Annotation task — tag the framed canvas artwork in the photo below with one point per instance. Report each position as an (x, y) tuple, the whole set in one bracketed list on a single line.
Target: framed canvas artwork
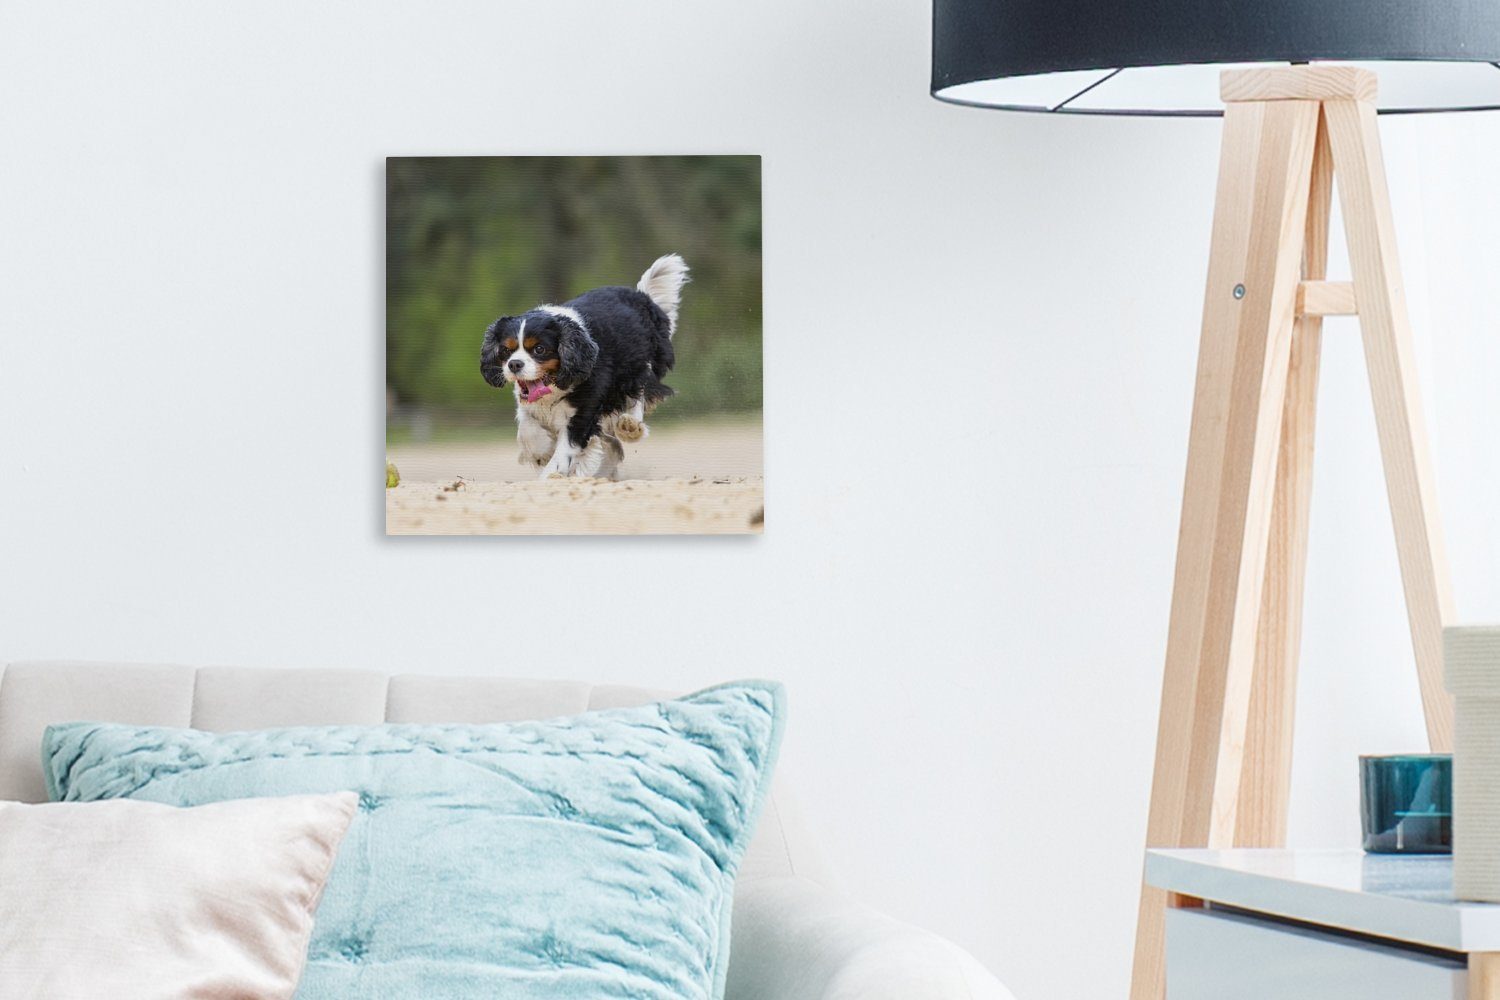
[(573, 345)]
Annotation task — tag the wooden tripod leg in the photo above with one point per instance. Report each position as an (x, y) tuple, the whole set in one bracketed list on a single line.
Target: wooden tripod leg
[(1259, 221), (1484, 976), (1398, 407), (1265, 781)]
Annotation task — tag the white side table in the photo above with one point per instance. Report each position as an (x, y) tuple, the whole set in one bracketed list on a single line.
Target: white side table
[(1322, 925)]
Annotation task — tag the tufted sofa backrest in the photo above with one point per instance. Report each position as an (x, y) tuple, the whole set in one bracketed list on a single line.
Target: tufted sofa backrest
[(223, 699)]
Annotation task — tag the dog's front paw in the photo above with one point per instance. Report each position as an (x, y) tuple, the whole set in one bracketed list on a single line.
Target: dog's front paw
[(561, 465), (627, 428)]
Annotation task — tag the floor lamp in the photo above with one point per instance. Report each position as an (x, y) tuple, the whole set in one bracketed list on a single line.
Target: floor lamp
[(1297, 87)]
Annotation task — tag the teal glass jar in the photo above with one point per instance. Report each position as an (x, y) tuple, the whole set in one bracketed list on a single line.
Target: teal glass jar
[(1406, 803)]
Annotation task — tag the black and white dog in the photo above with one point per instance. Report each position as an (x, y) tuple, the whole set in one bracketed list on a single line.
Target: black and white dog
[(587, 372)]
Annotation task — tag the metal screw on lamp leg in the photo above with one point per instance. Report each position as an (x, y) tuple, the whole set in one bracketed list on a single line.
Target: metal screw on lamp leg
[(1239, 291)]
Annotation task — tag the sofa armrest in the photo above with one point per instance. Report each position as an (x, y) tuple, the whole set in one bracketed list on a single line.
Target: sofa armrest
[(794, 940)]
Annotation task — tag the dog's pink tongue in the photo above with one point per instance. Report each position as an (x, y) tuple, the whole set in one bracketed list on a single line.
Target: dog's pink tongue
[(537, 391)]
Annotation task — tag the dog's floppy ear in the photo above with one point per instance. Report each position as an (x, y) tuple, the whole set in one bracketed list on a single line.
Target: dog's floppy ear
[(489, 353), (577, 352)]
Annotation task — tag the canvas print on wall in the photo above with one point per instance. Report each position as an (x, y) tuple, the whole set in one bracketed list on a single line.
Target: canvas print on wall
[(573, 345)]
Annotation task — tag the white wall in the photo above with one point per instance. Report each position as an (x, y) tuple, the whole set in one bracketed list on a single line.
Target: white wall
[(980, 344)]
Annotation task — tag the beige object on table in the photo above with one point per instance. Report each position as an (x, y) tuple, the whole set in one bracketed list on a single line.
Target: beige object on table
[(1471, 655)]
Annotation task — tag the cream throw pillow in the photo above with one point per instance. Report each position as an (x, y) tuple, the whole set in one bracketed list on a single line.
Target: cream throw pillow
[(142, 900)]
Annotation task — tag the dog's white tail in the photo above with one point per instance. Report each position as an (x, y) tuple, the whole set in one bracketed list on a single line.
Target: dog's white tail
[(663, 281)]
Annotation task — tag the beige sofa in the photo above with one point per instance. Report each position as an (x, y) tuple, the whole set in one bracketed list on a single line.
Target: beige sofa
[(792, 938)]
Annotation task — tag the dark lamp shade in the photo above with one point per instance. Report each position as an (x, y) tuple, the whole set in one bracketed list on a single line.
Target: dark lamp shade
[(1163, 58)]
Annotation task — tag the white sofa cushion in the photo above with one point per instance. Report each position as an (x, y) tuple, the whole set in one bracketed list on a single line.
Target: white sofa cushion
[(143, 900)]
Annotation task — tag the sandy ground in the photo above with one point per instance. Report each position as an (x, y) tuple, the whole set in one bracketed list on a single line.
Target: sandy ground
[(704, 479)]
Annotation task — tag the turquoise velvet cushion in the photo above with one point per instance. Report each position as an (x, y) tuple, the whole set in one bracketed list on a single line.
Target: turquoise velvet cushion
[(587, 857)]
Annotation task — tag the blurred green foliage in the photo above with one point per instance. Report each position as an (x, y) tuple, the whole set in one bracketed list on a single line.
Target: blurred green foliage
[(472, 238)]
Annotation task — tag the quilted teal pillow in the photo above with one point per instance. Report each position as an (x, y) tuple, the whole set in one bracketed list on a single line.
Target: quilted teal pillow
[(580, 858)]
